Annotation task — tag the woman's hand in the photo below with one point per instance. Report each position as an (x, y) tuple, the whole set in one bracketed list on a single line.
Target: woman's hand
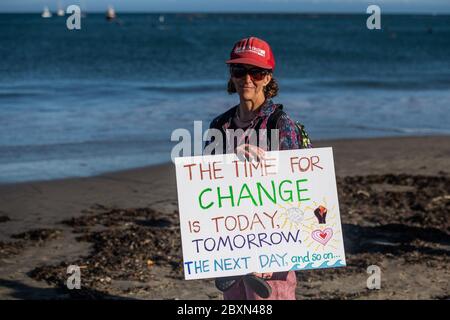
[(266, 275), (250, 152)]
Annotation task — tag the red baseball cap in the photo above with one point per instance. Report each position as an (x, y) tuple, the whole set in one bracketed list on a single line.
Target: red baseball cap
[(252, 51)]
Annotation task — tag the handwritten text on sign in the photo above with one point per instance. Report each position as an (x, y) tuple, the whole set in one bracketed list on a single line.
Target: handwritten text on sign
[(278, 214)]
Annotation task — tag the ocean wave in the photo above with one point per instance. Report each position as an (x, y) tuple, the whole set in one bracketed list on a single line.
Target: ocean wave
[(186, 88), (420, 84), (402, 130), (13, 95)]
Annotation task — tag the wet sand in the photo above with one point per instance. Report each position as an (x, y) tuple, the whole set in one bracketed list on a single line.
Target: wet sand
[(122, 229)]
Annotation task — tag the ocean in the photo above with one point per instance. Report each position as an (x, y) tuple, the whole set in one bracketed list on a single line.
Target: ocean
[(107, 97)]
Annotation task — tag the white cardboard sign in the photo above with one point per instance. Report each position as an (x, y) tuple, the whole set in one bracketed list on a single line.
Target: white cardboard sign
[(279, 214)]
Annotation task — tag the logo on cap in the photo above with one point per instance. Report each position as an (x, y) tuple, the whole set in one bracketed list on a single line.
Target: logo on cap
[(252, 49)]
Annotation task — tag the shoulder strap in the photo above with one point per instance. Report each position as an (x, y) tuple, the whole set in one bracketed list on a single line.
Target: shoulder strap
[(303, 137), (273, 118), (272, 123), (218, 122)]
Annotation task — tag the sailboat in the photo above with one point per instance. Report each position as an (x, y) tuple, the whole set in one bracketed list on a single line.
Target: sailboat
[(110, 13), (60, 12), (46, 13)]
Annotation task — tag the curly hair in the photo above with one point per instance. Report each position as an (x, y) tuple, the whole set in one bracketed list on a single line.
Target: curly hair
[(270, 91)]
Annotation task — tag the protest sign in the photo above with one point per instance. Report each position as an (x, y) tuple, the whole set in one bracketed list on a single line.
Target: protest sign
[(278, 214)]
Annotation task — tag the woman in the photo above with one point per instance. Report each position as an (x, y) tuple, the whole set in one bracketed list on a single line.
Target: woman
[(251, 69)]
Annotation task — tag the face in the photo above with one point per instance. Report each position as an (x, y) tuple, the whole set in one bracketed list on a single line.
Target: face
[(249, 87)]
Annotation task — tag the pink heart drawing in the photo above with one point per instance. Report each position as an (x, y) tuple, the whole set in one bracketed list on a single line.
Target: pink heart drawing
[(322, 236)]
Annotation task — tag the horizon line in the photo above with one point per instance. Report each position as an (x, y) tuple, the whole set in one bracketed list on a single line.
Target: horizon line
[(247, 12)]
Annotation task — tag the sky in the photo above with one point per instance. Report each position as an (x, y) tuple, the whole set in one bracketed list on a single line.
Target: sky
[(356, 6)]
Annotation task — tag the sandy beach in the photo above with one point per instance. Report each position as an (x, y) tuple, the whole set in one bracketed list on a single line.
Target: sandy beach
[(122, 229)]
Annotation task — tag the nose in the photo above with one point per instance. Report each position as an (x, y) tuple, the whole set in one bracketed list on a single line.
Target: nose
[(248, 79)]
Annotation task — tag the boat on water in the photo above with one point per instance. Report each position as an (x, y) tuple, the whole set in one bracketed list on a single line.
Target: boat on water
[(161, 19), (60, 12), (110, 13), (46, 13)]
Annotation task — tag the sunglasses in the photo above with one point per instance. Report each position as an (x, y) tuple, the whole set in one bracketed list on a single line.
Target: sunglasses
[(255, 73)]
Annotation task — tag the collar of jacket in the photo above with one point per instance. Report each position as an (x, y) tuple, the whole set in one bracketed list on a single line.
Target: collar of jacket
[(266, 109)]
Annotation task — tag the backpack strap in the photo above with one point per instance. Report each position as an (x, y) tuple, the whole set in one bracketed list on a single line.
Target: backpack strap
[(272, 123), (274, 117), (303, 137), (218, 122)]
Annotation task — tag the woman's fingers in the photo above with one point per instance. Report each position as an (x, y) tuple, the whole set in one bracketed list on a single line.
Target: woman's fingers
[(250, 152), (242, 153), (266, 275), (255, 152), (261, 153)]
